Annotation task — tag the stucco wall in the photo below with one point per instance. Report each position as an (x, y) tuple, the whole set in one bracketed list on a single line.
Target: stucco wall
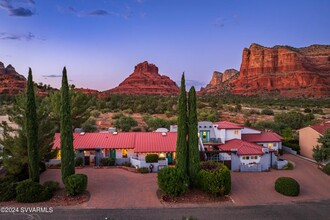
[(207, 126), (250, 131), (307, 140), (230, 134)]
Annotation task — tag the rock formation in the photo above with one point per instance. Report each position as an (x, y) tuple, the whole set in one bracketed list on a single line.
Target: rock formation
[(145, 80), (282, 70), (10, 81), (220, 81)]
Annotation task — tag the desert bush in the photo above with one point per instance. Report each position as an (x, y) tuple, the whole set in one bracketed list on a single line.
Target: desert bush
[(172, 181), (76, 184), (214, 178), (326, 169), (28, 191), (143, 170), (127, 164), (152, 158), (78, 161), (108, 162), (267, 111), (289, 166), (49, 188), (287, 186), (7, 188)]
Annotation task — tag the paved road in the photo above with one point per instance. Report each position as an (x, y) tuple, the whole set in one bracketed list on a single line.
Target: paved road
[(296, 210), (258, 188)]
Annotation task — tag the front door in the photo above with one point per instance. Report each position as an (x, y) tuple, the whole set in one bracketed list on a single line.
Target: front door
[(113, 153), (169, 158)]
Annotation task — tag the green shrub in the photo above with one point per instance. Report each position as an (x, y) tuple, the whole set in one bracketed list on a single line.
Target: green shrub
[(152, 158), (287, 186), (28, 191), (143, 170), (78, 162), (267, 111), (108, 162), (326, 169), (214, 178), (172, 181), (7, 188), (293, 144), (127, 164), (289, 166), (76, 184), (49, 188)]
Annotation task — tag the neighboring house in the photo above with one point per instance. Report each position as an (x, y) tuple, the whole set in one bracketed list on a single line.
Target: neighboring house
[(308, 137), (240, 148)]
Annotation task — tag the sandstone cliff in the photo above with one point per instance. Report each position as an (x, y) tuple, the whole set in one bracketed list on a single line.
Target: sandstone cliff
[(282, 70), (145, 80)]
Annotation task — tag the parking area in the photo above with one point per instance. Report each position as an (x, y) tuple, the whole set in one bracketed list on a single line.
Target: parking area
[(258, 188), (115, 188)]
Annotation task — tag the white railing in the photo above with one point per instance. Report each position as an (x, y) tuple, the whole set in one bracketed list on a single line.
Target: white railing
[(142, 163)]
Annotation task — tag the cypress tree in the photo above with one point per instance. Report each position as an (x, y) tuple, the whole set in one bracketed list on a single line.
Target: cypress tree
[(193, 150), (181, 144), (32, 130), (67, 153)]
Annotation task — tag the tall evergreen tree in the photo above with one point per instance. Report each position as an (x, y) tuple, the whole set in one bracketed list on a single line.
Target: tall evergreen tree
[(193, 160), (67, 153), (31, 121), (181, 144)]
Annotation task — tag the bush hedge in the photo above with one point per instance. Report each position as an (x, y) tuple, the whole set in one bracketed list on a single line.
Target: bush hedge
[(287, 186), (152, 158), (326, 169), (214, 178), (172, 181), (28, 191), (108, 162), (143, 170), (49, 188), (76, 184), (79, 162), (7, 188)]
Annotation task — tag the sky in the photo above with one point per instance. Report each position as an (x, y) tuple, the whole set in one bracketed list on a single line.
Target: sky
[(100, 41)]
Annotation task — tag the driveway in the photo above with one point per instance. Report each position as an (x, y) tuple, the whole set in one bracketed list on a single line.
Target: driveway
[(115, 188), (258, 188)]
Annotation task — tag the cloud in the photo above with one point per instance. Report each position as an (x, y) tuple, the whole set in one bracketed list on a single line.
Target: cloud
[(52, 76), (98, 12), (19, 11), (219, 22), (9, 36)]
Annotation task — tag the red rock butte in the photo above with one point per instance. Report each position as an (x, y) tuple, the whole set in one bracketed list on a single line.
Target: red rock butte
[(145, 80), (10, 81), (280, 70)]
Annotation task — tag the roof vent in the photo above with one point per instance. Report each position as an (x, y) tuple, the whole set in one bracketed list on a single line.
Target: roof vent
[(82, 133), (163, 133), (115, 133)]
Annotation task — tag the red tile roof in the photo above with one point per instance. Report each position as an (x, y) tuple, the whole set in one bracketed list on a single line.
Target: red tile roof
[(155, 142), (262, 137), (139, 141), (228, 125), (322, 127), (243, 147)]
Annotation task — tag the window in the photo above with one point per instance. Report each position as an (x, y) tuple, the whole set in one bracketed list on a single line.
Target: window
[(236, 132), (124, 153), (248, 158), (270, 145), (274, 144)]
